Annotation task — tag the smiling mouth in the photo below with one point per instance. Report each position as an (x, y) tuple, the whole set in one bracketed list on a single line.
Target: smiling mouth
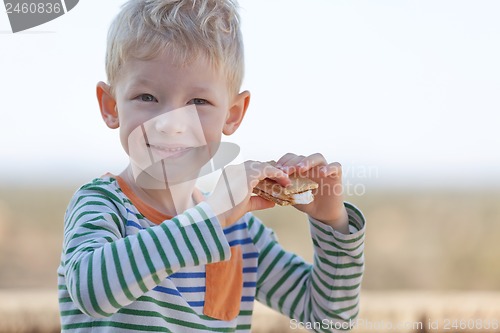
[(168, 152)]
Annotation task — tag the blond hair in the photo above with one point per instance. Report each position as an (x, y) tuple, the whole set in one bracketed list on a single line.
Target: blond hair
[(188, 29)]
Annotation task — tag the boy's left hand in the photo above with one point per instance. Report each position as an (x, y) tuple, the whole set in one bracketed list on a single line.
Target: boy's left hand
[(328, 205)]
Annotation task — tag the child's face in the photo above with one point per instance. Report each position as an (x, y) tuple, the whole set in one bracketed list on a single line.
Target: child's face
[(171, 117)]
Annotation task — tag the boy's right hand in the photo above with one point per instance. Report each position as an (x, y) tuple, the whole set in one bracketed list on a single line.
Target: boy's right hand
[(231, 198)]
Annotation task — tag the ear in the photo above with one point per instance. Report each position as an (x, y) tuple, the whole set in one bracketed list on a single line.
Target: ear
[(107, 104), (236, 113)]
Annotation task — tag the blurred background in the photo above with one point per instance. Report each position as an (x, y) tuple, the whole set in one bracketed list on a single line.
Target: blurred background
[(403, 93)]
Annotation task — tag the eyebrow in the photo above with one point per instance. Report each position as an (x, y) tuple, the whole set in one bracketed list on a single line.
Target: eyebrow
[(201, 89), (139, 81)]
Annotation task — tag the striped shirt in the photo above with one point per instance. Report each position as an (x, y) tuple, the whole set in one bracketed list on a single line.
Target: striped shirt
[(122, 272)]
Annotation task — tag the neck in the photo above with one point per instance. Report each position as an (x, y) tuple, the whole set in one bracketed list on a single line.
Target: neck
[(169, 199)]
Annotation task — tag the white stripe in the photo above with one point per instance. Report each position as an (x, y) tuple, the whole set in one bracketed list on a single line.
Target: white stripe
[(63, 3)]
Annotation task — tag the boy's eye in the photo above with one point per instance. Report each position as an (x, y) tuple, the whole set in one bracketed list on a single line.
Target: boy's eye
[(147, 98), (198, 101)]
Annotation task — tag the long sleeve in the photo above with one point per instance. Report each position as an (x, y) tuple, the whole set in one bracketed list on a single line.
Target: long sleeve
[(324, 293), (106, 270)]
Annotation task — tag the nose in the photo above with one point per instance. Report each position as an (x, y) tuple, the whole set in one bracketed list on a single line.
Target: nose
[(172, 122)]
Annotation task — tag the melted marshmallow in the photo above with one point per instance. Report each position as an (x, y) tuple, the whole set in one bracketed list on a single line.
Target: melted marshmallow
[(303, 198)]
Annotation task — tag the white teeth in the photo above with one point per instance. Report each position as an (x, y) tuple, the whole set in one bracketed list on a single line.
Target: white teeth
[(169, 150)]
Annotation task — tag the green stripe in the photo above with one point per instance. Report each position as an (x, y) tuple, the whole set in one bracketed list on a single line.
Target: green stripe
[(105, 280), (292, 267), (74, 312), (246, 327), (103, 191), (259, 234), (187, 241), (70, 227), (211, 228), (271, 266), (133, 327), (84, 249), (332, 287), (251, 222), (173, 243), (133, 264), (94, 227), (302, 278), (332, 235), (198, 233), (166, 305), (175, 247), (90, 286), (114, 202), (77, 286), (335, 314), (335, 245), (245, 312), (72, 221), (172, 320), (328, 298), (120, 226), (297, 300), (119, 273), (161, 249), (327, 262), (337, 253), (169, 307), (262, 256), (79, 235), (149, 263), (338, 276), (355, 211), (65, 300)]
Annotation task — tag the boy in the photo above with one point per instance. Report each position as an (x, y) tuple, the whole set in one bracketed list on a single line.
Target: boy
[(145, 250)]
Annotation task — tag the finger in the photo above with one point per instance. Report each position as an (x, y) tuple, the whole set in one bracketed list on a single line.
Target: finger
[(284, 159), (331, 170), (311, 161), (258, 203), (290, 166), (264, 170), (279, 176)]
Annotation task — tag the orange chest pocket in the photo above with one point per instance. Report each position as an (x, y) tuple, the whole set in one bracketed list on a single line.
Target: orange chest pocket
[(224, 287)]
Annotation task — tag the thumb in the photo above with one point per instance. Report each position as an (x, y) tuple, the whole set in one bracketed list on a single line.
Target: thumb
[(258, 203)]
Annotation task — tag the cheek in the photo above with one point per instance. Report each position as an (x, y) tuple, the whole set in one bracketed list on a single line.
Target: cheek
[(131, 135), (212, 126), (124, 139)]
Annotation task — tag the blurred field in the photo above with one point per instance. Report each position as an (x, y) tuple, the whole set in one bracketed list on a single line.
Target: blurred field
[(438, 249), (425, 240), (36, 311)]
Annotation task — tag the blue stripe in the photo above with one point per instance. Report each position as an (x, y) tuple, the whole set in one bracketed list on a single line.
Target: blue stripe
[(167, 290), (240, 241), (249, 284), (247, 298), (188, 275), (249, 269), (196, 303), (133, 224), (235, 227), (131, 212), (191, 289), (250, 255)]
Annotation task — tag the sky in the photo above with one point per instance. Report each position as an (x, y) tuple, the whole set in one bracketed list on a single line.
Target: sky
[(401, 93)]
